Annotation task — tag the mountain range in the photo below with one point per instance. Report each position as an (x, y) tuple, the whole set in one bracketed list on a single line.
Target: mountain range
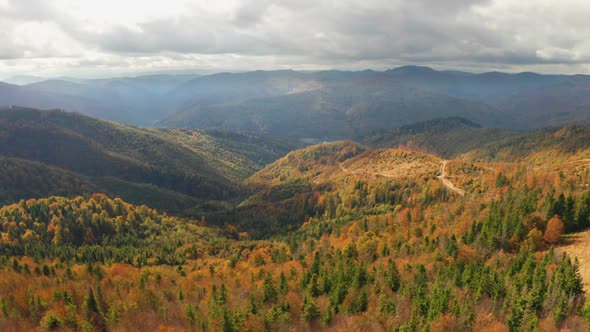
[(317, 106)]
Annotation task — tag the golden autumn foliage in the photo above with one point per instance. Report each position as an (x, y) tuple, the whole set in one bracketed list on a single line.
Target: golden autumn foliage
[(554, 230), (331, 238)]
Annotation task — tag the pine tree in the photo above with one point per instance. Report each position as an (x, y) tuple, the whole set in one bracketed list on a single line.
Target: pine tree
[(310, 308), (269, 292), (284, 286), (92, 312), (392, 277)]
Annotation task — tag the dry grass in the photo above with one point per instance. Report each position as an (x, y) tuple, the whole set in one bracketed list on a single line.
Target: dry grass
[(578, 245), (392, 163)]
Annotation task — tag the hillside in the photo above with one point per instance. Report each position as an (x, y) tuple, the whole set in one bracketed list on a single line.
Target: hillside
[(24, 178), (361, 102), (227, 88), (392, 163), (286, 191), (488, 86), (120, 229), (447, 137), (564, 102), (306, 164), (133, 100), (236, 155), (110, 155), (339, 109), (545, 146), (349, 103), (335, 236)]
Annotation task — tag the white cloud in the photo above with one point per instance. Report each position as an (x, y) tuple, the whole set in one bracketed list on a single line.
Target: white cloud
[(113, 36)]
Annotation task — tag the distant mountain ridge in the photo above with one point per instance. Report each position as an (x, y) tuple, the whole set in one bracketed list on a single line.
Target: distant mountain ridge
[(340, 109), (347, 104)]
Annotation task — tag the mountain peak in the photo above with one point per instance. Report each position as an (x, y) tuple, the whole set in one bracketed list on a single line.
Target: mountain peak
[(413, 69)]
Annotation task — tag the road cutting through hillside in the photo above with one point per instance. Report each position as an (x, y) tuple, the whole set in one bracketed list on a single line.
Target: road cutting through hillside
[(443, 178)]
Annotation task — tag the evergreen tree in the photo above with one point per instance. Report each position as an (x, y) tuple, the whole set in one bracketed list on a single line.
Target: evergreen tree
[(310, 309), (269, 291)]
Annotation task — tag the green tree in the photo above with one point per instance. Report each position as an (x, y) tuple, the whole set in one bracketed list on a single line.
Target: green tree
[(310, 309), (269, 291), (392, 276)]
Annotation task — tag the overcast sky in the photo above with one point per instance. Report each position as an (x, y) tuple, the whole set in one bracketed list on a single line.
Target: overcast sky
[(114, 37)]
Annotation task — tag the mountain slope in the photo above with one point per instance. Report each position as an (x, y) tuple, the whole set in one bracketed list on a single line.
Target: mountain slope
[(340, 109), (140, 100), (305, 164), (349, 102), (565, 102), (125, 233), (22, 179), (546, 146), (447, 137), (175, 162), (487, 86), (236, 155), (286, 192), (225, 88), (98, 148)]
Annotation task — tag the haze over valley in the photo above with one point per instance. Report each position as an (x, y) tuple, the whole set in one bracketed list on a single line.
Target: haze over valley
[(324, 105)]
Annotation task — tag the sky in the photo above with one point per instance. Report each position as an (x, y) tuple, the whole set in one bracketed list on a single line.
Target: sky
[(121, 37)]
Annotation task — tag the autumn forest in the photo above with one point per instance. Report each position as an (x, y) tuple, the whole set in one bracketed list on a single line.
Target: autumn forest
[(191, 230)]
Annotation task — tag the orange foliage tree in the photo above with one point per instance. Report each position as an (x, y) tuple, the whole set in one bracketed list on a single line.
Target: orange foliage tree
[(554, 230)]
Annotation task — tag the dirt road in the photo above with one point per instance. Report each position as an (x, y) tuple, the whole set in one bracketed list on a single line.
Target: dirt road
[(443, 178)]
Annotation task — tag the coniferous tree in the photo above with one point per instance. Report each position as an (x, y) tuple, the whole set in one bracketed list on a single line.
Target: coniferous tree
[(393, 276), (269, 291), (310, 309)]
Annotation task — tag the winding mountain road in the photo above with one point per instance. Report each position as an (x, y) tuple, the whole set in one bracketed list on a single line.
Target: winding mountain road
[(443, 178)]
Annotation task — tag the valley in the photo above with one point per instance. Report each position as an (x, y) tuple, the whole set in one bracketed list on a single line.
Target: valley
[(440, 225)]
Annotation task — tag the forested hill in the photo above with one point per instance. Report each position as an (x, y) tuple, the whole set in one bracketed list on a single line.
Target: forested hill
[(100, 229), (446, 137), (185, 163), (547, 145), (336, 235), (336, 109)]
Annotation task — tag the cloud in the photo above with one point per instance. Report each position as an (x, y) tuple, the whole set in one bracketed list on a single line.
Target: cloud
[(250, 12), (479, 34)]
